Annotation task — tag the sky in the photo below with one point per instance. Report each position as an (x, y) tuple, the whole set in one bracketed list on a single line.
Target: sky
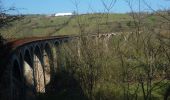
[(84, 6)]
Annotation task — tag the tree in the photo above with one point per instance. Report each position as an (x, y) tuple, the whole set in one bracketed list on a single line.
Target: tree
[(2, 22)]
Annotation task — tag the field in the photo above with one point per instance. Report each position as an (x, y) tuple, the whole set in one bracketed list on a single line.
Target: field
[(41, 25)]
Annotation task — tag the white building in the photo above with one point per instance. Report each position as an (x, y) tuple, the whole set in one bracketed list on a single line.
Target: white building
[(63, 14)]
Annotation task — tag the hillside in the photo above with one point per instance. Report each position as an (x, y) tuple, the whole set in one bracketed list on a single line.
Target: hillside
[(41, 25)]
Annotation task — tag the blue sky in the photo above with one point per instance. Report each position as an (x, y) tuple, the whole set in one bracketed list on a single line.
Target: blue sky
[(55, 6)]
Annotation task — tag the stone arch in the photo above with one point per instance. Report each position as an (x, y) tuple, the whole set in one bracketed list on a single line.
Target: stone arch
[(28, 74), (57, 54), (16, 70), (17, 83), (62, 55), (62, 42), (110, 40), (56, 43), (21, 63), (28, 58), (38, 70), (28, 71), (48, 63), (65, 40)]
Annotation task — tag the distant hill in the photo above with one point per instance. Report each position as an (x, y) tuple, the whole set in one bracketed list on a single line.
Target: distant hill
[(42, 25)]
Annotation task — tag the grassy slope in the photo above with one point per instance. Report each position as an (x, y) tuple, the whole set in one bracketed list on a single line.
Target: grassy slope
[(31, 26), (44, 26)]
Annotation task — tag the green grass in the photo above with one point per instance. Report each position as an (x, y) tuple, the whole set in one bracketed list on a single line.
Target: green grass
[(51, 26), (39, 25)]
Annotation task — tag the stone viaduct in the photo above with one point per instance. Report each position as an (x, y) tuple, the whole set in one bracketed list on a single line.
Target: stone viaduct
[(27, 65)]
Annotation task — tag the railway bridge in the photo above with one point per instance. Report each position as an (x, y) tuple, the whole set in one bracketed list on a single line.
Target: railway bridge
[(28, 65)]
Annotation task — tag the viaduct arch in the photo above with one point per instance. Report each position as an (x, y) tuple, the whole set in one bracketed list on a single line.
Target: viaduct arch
[(27, 65)]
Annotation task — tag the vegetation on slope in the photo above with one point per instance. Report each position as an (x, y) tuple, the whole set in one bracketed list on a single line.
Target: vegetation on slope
[(41, 25)]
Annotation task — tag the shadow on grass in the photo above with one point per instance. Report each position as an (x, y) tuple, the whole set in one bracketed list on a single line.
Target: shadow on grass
[(63, 87)]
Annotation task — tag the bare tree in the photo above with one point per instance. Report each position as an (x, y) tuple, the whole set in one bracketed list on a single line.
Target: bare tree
[(108, 5), (141, 58)]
